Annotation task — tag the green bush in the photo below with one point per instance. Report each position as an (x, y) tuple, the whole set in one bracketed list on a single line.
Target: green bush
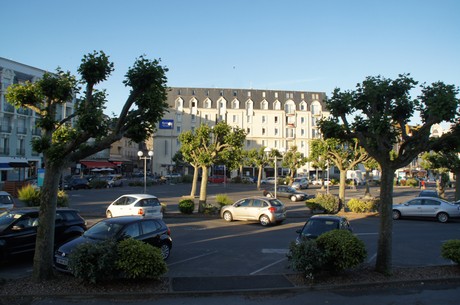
[(31, 196), (327, 202), (223, 199), (186, 206), (137, 259), (412, 182), (451, 250), (362, 206), (305, 257), (187, 178), (94, 262), (341, 250), (98, 184)]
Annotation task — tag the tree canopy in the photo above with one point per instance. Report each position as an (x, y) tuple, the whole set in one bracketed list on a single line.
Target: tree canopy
[(378, 114), (66, 140)]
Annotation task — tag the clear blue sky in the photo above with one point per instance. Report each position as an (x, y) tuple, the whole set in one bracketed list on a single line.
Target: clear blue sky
[(286, 45)]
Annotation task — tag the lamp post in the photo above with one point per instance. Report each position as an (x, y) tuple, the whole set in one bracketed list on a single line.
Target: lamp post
[(150, 155), (171, 126), (267, 152)]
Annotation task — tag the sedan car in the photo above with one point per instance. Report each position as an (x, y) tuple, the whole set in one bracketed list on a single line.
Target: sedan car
[(135, 204), (268, 180), (6, 201), (217, 179), (431, 207), (77, 184), (264, 210), (300, 183), (18, 229), (286, 192), (319, 224), (152, 231)]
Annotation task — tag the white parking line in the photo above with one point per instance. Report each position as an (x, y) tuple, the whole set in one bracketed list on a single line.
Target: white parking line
[(268, 266), (192, 258)]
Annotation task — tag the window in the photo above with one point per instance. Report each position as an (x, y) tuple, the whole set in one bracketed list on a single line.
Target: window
[(193, 117), (276, 119), (263, 131), (235, 118), (302, 120), (179, 117), (131, 230), (178, 129), (248, 130), (264, 105), (264, 119), (276, 131), (302, 132)]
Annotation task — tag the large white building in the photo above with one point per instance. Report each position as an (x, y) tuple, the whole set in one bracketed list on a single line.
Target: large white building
[(272, 118)]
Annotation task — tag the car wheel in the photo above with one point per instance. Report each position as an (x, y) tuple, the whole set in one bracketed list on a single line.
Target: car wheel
[(264, 220), (293, 198), (165, 250), (109, 214), (442, 217), (396, 214), (228, 216)]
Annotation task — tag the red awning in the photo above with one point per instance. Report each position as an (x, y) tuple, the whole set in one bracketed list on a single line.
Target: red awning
[(97, 164)]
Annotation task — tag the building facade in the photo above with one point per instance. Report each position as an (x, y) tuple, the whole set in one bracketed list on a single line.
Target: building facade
[(271, 118)]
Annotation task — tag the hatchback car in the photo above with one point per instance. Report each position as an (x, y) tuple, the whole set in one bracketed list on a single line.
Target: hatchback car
[(286, 192), (135, 204), (77, 184), (6, 201), (431, 207), (151, 231), (264, 210), (18, 229), (319, 224), (300, 183)]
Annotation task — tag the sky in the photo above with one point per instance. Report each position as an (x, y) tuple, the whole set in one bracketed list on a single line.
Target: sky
[(297, 45)]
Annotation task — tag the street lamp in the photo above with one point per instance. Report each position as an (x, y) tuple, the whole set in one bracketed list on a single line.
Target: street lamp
[(267, 152), (150, 155)]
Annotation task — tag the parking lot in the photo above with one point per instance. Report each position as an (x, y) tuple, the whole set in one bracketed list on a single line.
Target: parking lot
[(210, 246)]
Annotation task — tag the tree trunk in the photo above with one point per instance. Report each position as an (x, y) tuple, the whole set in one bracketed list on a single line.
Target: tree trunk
[(203, 189), (44, 249), (342, 185), (194, 181), (259, 176), (384, 250), (368, 189), (457, 184)]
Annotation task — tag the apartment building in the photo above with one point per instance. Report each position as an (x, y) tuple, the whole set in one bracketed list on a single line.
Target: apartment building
[(272, 118)]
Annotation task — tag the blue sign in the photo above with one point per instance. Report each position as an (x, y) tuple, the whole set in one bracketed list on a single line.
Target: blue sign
[(40, 176), (166, 124)]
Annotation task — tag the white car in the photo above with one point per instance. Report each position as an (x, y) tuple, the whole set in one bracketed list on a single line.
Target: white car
[(6, 201), (135, 204), (268, 180)]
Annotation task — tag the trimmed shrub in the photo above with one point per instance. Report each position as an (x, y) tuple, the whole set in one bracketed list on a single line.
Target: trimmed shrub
[(362, 206), (29, 195), (137, 259), (62, 199), (305, 257), (186, 206), (341, 250), (223, 199), (327, 202), (163, 207), (94, 262), (451, 250)]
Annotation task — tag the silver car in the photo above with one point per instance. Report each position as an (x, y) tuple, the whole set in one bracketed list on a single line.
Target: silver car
[(432, 207), (264, 210), (300, 183)]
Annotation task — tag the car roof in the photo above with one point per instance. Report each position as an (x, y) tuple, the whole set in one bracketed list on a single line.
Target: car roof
[(4, 193), (139, 196), (329, 217), (127, 219), (33, 210)]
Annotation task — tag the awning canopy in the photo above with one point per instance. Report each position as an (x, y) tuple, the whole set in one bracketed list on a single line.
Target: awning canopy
[(19, 164), (5, 166), (97, 164)]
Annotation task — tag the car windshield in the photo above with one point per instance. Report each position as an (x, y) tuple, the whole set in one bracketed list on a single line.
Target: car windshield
[(103, 230), (6, 199), (6, 218), (316, 227)]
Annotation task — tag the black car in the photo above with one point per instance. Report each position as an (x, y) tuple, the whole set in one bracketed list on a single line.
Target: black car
[(149, 230), (287, 192), (319, 224), (77, 184), (18, 229)]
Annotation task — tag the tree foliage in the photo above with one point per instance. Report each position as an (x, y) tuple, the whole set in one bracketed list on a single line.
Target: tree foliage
[(293, 159), (209, 145), (66, 140), (344, 154), (378, 113)]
